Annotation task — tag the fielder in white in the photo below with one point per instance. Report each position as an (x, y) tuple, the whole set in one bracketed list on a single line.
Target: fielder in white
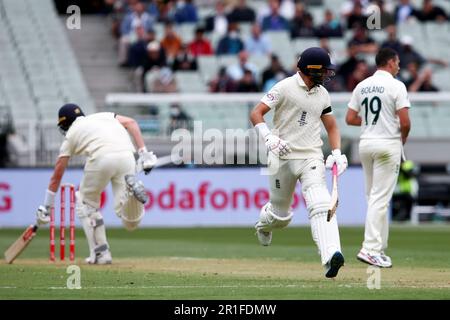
[(300, 104), (383, 104), (104, 138)]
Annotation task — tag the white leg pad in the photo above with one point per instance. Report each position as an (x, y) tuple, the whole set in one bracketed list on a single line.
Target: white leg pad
[(93, 226), (317, 199), (132, 211), (326, 235), (269, 219)]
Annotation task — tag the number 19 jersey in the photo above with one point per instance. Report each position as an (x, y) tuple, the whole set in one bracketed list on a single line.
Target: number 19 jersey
[(377, 100)]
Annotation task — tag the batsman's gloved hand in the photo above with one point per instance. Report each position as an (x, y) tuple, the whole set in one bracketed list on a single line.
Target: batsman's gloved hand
[(339, 159), (43, 215), (146, 160), (277, 146)]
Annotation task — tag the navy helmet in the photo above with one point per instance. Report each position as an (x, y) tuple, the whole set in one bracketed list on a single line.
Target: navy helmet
[(67, 115), (316, 63)]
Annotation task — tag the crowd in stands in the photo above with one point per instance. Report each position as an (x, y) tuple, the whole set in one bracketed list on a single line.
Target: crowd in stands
[(142, 49)]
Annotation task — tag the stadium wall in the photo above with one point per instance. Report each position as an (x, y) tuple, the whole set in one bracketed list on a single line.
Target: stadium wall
[(181, 197)]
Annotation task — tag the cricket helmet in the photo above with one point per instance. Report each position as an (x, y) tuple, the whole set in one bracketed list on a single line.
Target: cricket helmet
[(316, 63), (67, 115)]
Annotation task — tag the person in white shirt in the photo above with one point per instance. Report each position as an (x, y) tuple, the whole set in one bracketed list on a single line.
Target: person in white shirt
[(104, 138), (379, 104), (301, 104)]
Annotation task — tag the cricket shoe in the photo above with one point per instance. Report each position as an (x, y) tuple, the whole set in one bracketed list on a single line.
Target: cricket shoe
[(386, 258), (264, 237), (377, 260), (137, 188), (100, 258), (334, 264)]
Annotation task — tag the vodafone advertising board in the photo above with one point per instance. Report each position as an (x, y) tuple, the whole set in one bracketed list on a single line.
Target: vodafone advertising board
[(181, 197)]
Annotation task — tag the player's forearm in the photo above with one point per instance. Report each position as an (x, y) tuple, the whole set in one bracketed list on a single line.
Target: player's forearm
[(404, 130), (334, 138), (256, 117), (58, 173), (135, 132)]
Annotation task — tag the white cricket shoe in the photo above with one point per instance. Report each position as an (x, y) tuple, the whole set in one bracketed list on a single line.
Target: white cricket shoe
[(378, 260), (264, 237), (103, 257), (385, 257), (137, 188)]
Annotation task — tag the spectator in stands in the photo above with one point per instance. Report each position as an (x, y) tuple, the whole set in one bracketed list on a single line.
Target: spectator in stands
[(257, 43), (360, 73), (331, 26), (346, 69), (356, 18), (247, 83), (200, 45), (287, 9), (430, 12), (167, 11), (231, 43), (217, 23), (138, 50), (222, 83), (419, 82), (362, 42), (179, 119), (392, 42), (139, 17), (386, 18), (404, 11), (185, 12), (184, 61), (171, 42), (408, 54), (156, 59), (302, 25), (242, 13), (164, 81), (273, 73), (236, 71), (274, 21)]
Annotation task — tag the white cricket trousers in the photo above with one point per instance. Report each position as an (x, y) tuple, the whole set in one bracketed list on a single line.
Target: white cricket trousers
[(380, 159), (112, 167)]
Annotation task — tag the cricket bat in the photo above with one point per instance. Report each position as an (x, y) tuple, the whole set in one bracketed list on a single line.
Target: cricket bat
[(334, 193), (20, 244)]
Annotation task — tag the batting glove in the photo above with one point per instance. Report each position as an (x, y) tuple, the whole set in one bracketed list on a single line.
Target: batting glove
[(43, 215), (339, 159), (277, 146), (146, 160)]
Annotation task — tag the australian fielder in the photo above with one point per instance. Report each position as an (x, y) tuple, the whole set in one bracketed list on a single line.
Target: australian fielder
[(379, 105)]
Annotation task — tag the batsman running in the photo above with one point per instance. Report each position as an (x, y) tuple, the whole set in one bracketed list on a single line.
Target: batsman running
[(300, 103), (383, 104), (104, 138)]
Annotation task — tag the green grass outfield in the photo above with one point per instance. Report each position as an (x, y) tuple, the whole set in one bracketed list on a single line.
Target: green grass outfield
[(228, 263)]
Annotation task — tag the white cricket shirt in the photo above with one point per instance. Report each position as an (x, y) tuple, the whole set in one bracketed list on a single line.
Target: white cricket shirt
[(377, 99), (297, 113), (96, 135)]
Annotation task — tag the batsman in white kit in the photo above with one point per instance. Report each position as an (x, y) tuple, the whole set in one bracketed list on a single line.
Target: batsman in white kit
[(104, 138), (300, 104), (383, 104)]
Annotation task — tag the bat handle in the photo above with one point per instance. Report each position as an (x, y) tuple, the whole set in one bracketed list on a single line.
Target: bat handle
[(334, 169)]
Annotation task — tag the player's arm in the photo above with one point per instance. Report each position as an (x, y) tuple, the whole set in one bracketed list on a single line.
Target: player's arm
[(147, 160), (133, 128), (274, 144), (405, 123), (43, 212), (352, 118), (258, 112), (334, 138)]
